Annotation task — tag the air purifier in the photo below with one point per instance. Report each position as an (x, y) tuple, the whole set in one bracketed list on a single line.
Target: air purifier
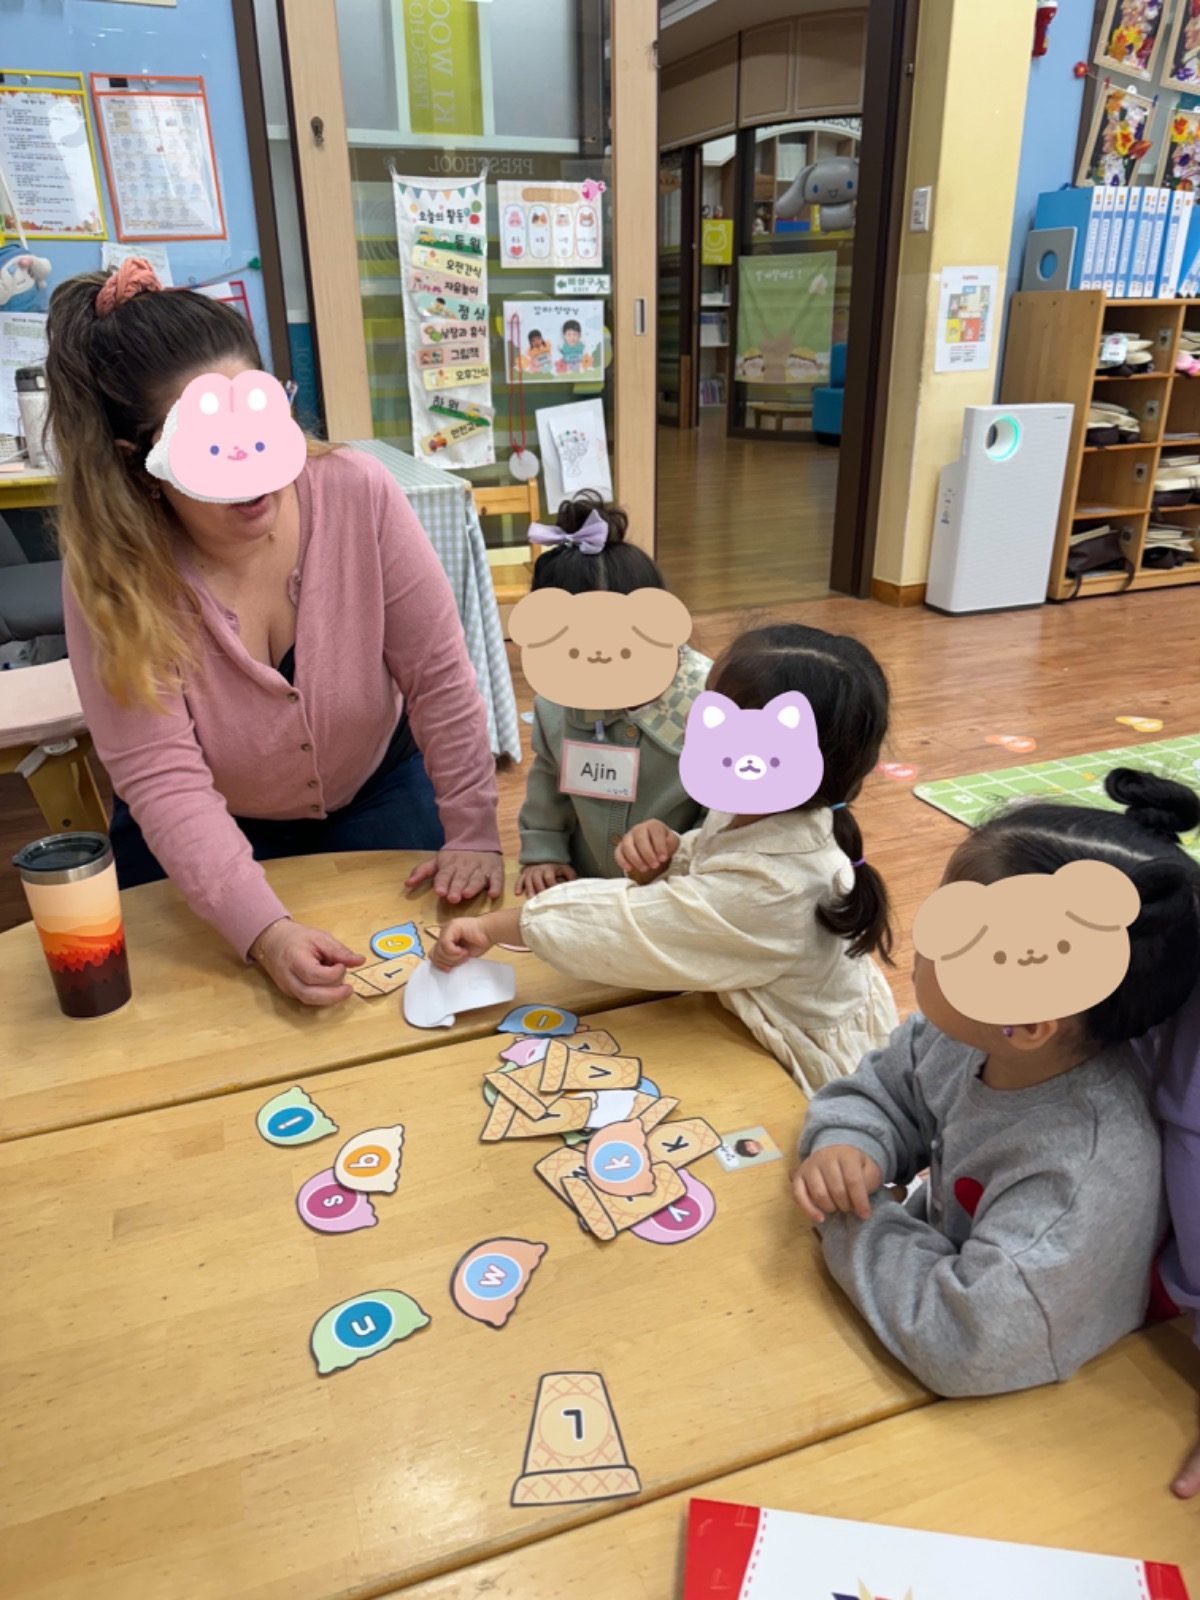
[(997, 509)]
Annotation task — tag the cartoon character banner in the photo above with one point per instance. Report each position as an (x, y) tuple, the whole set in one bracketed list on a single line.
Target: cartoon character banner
[(551, 224), (785, 318), (442, 233), (554, 341)]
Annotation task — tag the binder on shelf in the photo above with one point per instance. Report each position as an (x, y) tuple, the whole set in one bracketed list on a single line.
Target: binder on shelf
[(1171, 266), (1115, 232), (1133, 217), (1081, 209), (1161, 211), (1108, 209), (1142, 243), (1189, 285)]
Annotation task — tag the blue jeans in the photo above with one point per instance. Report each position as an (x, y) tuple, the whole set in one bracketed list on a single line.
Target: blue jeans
[(394, 810)]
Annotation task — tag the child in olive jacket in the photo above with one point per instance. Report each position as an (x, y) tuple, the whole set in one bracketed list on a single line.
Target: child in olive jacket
[(566, 835)]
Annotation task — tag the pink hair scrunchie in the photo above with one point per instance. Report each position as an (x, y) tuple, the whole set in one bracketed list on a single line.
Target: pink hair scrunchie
[(133, 277)]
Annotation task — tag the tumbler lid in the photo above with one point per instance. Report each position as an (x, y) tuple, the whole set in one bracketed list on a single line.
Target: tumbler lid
[(63, 857)]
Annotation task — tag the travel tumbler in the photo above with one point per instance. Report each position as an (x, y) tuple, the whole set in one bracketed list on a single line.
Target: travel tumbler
[(71, 885)]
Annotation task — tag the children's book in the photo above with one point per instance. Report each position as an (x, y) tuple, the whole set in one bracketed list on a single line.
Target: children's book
[(748, 1553)]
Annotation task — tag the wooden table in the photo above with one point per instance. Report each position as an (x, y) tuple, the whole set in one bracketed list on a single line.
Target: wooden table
[(1084, 1466), (167, 1431), (201, 1022), (27, 486)]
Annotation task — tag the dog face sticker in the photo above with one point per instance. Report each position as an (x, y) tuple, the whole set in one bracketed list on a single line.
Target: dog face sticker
[(1030, 948), (751, 762), (229, 440), (600, 651)]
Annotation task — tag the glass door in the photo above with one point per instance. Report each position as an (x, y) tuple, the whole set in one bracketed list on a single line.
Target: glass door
[(484, 179)]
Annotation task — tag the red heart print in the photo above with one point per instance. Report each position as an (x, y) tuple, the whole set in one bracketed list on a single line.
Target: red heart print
[(968, 1192)]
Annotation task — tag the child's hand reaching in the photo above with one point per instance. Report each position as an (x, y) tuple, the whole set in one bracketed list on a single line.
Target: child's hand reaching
[(459, 940), (532, 880), (646, 850), (838, 1178)]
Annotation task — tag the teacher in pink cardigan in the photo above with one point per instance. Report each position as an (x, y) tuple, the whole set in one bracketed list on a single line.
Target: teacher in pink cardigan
[(277, 677)]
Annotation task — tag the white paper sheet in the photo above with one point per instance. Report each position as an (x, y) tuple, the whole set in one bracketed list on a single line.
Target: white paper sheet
[(112, 255), (22, 344), (579, 423), (432, 998)]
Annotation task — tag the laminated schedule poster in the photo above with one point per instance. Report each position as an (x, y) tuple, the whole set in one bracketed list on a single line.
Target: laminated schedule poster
[(551, 224), (442, 233), (749, 1553)]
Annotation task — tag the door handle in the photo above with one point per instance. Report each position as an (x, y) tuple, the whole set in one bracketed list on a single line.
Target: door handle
[(639, 315), (317, 124)]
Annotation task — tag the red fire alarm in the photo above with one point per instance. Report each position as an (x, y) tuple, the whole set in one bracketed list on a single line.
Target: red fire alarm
[(1046, 12)]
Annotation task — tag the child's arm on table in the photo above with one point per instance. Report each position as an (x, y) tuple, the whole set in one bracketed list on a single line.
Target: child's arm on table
[(723, 929), (545, 820), (864, 1130)]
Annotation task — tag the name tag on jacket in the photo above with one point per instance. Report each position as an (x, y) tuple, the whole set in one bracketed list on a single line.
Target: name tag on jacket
[(599, 771)]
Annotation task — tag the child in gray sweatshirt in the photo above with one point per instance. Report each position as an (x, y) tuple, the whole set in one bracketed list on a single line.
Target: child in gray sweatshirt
[(1029, 1248)]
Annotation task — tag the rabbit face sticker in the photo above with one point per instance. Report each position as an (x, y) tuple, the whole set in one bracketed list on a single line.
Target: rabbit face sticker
[(600, 651), (751, 763), (229, 440), (1033, 947)]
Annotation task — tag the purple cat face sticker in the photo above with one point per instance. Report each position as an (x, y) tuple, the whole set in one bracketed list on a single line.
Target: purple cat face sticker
[(751, 763)]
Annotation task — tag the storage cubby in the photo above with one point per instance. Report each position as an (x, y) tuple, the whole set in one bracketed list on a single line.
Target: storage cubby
[(1052, 354)]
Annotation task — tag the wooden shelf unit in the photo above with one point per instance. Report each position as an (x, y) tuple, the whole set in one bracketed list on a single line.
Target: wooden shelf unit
[(1051, 354)]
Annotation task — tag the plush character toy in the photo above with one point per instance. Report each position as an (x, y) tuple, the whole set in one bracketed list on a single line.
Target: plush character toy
[(23, 280), (830, 185)]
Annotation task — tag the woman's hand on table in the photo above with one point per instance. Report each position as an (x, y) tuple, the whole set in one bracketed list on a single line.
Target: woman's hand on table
[(533, 879), (838, 1178), (305, 963), (1186, 1482), (460, 875)]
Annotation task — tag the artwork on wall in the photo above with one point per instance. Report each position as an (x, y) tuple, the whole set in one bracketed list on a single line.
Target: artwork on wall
[(574, 446), (1179, 162), (551, 224), (1130, 35), (1181, 60), (442, 233), (1117, 139), (554, 341)]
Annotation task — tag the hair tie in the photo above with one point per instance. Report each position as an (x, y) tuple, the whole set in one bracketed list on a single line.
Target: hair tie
[(840, 806), (134, 276), (861, 862), (590, 539)]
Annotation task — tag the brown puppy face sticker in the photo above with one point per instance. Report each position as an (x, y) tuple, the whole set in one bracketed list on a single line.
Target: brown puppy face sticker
[(1031, 948), (600, 651)]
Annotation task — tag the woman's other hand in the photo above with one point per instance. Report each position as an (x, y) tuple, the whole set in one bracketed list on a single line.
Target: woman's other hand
[(533, 879), (305, 963), (460, 875)]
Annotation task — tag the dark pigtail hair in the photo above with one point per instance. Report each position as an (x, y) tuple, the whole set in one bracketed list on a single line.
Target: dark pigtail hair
[(848, 692), (619, 567), (1164, 941)]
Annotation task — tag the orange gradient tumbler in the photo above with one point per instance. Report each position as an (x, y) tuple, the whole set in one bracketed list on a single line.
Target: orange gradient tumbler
[(71, 885)]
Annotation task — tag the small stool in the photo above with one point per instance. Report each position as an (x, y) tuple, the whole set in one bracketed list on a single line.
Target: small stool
[(43, 737)]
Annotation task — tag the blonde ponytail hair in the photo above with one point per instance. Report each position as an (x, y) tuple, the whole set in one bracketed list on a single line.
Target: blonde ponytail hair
[(111, 379)]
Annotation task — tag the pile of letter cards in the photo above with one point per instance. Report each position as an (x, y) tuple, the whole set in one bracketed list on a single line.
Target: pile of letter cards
[(748, 1553)]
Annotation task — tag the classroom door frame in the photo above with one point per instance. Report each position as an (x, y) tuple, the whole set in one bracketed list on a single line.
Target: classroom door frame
[(882, 187), (688, 375), (320, 151)]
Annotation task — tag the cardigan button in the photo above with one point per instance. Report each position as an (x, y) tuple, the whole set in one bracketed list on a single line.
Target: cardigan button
[(631, 733), (293, 696), (314, 808), (312, 783), (306, 748)]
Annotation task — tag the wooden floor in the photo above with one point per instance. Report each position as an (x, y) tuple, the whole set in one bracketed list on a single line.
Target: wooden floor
[(743, 522), (1060, 674)]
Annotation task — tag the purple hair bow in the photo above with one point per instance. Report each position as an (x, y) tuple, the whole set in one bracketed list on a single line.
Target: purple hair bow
[(590, 539)]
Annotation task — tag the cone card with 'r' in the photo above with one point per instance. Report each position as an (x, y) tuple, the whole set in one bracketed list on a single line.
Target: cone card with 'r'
[(574, 1451)]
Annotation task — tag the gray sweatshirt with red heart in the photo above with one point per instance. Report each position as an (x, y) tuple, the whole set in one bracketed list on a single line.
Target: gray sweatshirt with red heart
[(1029, 1249)]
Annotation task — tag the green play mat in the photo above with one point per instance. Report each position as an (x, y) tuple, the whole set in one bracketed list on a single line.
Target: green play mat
[(979, 795)]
